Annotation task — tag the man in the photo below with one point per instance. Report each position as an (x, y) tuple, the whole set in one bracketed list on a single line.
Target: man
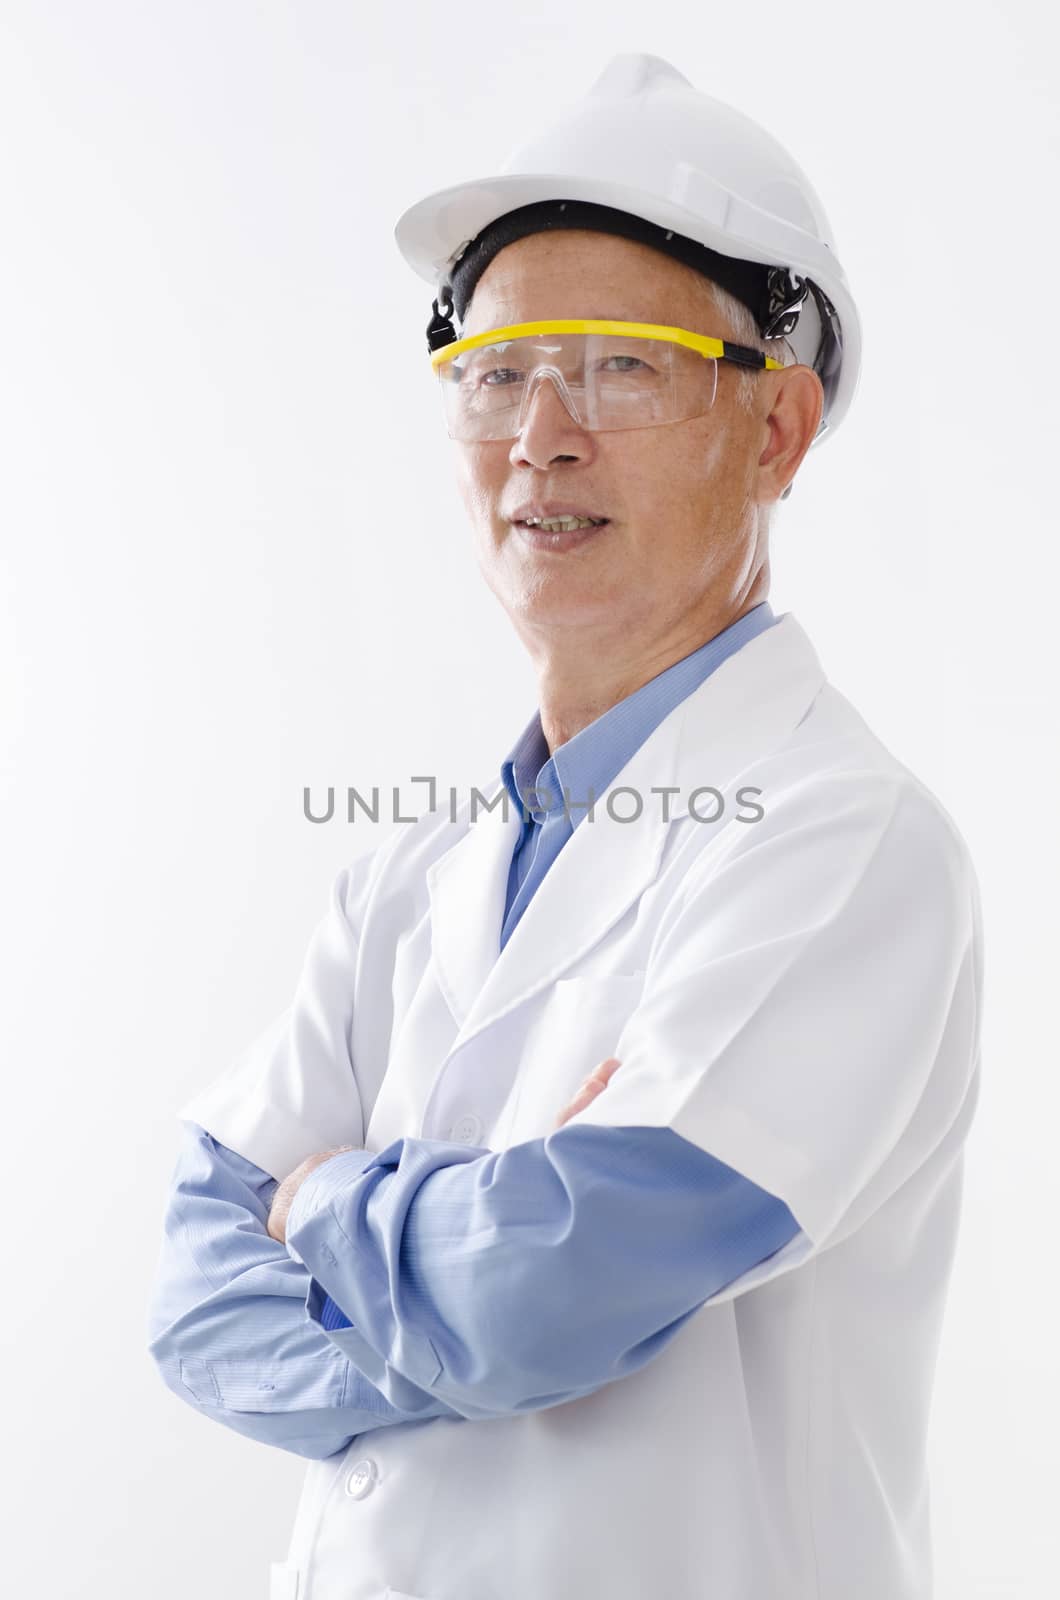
[(586, 1220)]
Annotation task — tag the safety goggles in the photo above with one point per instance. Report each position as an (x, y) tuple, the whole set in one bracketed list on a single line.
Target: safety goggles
[(609, 375)]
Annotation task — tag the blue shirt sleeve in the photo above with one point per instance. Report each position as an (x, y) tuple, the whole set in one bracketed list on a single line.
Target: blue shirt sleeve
[(227, 1321), (509, 1281)]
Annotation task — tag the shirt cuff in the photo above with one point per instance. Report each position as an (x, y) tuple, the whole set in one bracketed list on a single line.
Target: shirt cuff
[(404, 1387), (316, 1191)]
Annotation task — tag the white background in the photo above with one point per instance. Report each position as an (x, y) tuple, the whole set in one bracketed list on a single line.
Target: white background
[(234, 563)]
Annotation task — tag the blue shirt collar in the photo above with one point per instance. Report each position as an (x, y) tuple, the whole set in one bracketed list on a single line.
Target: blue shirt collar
[(592, 758)]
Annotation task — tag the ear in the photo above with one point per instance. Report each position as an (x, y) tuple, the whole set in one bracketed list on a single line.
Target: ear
[(793, 421)]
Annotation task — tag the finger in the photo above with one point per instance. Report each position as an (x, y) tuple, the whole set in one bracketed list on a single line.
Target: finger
[(605, 1071), (576, 1105), (585, 1096), (601, 1076)]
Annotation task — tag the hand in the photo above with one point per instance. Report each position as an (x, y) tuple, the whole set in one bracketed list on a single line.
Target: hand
[(594, 1084), (283, 1199)]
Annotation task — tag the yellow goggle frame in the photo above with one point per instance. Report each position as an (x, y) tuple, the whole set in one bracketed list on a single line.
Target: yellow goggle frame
[(720, 349)]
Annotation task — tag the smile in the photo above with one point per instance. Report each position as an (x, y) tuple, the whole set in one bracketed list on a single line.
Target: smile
[(561, 533)]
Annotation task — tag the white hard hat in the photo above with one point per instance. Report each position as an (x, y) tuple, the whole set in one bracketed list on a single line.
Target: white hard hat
[(644, 141)]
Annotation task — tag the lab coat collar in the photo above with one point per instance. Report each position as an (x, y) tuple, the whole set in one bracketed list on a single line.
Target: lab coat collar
[(738, 715)]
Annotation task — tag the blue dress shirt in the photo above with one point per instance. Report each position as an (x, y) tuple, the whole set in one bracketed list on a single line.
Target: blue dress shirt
[(438, 1329), (580, 770)]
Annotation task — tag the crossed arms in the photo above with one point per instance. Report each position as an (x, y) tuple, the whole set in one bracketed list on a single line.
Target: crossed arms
[(467, 1284)]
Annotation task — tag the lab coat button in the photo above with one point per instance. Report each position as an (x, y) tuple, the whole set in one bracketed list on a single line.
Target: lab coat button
[(361, 1480), (467, 1130)]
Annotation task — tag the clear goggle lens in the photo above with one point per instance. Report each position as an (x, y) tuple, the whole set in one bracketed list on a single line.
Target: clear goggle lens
[(606, 382)]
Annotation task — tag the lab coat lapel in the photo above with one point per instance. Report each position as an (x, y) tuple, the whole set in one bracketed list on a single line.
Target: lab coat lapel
[(601, 869), (467, 887), (738, 714)]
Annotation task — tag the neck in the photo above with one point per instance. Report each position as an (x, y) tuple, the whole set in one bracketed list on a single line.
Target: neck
[(575, 686)]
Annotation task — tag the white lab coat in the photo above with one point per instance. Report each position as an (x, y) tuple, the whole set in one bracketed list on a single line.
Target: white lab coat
[(799, 996)]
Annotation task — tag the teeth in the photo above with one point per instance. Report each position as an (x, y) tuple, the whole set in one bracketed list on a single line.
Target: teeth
[(561, 524)]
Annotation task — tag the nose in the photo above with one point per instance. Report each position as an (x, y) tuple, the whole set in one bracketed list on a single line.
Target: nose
[(549, 428)]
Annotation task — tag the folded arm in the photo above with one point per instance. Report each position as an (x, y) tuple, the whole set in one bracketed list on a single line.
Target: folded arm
[(507, 1282), (227, 1321)]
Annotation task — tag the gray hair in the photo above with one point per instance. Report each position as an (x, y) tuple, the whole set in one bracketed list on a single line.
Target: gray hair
[(745, 331)]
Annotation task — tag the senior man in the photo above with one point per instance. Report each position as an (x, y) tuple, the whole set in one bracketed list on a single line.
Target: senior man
[(586, 1219)]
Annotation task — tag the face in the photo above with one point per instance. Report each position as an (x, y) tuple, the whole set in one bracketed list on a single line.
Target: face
[(684, 500)]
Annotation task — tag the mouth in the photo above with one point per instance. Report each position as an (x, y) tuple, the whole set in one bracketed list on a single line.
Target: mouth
[(560, 533)]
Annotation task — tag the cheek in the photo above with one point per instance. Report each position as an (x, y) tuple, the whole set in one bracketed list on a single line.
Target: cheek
[(480, 474), (712, 453), (667, 467)]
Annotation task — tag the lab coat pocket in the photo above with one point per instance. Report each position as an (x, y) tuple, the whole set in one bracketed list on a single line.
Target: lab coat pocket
[(283, 1581), (578, 1027)]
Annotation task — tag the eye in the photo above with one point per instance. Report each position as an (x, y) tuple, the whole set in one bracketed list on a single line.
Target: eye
[(502, 374), (634, 361)]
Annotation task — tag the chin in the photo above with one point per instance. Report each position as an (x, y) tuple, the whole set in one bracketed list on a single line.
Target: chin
[(552, 604)]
